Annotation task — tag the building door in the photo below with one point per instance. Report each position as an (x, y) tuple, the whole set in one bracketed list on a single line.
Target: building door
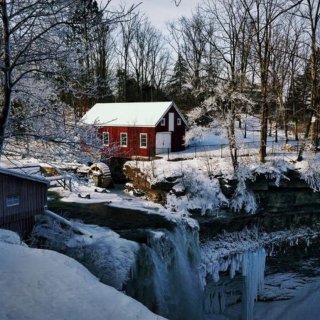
[(171, 121), (163, 142)]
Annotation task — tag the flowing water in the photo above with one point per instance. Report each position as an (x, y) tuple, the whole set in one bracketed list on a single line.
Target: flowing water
[(166, 278)]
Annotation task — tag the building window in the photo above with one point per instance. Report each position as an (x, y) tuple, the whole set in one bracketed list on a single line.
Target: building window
[(105, 138), (123, 139), (143, 140), (163, 122), (12, 201), (178, 121)]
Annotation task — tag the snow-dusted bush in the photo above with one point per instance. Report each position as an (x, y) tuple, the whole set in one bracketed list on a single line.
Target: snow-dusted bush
[(274, 170), (243, 199), (200, 193), (311, 175)]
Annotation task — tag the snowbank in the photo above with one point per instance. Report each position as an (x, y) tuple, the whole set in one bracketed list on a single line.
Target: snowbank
[(45, 285), (101, 250)]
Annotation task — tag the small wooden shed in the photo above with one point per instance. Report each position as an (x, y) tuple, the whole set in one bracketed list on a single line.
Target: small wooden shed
[(138, 129), (22, 197)]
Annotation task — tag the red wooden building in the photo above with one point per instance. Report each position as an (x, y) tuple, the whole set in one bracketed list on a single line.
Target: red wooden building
[(21, 198), (138, 129)]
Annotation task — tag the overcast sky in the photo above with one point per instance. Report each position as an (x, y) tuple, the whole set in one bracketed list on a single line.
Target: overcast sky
[(160, 11)]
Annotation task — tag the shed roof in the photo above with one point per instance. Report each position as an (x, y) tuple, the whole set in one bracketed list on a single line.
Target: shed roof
[(22, 175), (137, 114)]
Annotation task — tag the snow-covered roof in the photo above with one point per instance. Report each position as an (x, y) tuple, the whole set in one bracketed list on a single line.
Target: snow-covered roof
[(20, 174), (138, 114)]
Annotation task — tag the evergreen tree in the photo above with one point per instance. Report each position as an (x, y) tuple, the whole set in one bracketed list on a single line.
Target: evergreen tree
[(178, 87)]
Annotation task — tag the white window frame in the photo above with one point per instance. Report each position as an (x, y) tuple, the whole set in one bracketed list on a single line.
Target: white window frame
[(178, 121), (12, 201), (163, 122), (146, 135), (103, 138), (126, 135)]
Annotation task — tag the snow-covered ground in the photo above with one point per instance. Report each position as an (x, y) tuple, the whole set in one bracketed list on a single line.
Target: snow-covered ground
[(194, 175), (45, 285), (195, 172), (304, 305), (213, 142)]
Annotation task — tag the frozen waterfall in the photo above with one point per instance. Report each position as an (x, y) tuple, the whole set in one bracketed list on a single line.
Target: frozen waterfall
[(253, 265), (245, 281), (169, 282)]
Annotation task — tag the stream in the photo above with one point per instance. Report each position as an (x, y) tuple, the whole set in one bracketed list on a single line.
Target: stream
[(280, 280)]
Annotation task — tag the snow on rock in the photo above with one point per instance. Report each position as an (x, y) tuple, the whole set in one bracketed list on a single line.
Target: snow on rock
[(201, 193), (274, 170), (309, 172), (242, 197), (101, 250), (8, 236), (197, 185), (45, 285), (282, 286)]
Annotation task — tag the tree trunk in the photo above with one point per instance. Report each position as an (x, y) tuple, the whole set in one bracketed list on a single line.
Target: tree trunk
[(264, 127), (6, 69), (305, 139)]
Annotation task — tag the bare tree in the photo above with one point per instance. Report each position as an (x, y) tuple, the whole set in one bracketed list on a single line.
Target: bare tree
[(228, 38), (28, 29), (33, 48), (286, 40), (310, 11), (148, 56), (127, 31), (263, 16), (190, 37)]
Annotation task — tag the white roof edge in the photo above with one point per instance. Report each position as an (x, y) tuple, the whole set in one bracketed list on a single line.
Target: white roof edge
[(124, 125), (13, 173), (179, 112)]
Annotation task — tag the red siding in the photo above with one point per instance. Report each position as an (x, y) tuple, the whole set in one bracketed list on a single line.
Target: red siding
[(133, 133), (133, 143), (177, 136), (32, 199)]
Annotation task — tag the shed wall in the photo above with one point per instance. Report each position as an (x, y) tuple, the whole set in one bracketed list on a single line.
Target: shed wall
[(32, 199)]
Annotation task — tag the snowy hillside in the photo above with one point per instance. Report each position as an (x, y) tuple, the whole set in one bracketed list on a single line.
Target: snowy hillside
[(45, 285)]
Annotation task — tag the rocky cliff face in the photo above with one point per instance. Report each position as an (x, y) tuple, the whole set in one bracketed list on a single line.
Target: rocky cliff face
[(291, 203), (292, 195), (141, 185)]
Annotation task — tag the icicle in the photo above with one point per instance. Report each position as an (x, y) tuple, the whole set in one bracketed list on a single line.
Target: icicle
[(253, 272)]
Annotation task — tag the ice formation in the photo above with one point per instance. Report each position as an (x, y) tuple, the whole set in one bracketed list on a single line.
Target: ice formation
[(251, 265), (173, 259)]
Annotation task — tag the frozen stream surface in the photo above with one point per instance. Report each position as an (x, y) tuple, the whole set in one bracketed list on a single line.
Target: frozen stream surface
[(273, 283)]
